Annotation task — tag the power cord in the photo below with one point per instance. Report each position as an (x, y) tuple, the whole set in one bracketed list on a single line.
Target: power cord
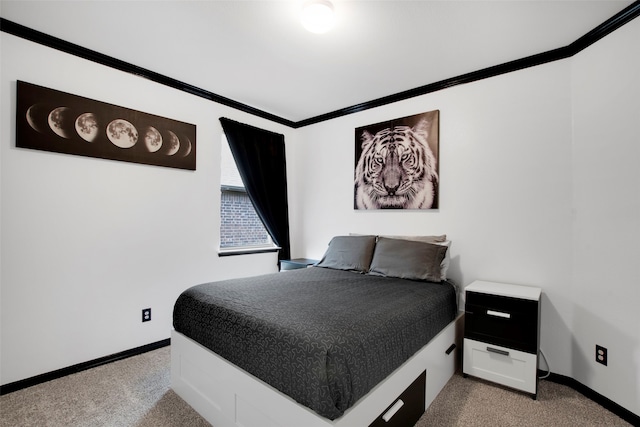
[(548, 367)]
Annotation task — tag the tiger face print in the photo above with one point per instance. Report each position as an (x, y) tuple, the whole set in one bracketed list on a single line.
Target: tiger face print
[(396, 170)]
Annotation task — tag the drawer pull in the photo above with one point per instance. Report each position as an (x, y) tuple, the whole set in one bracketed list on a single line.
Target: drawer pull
[(497, 351), (499, 314), (450, 349), (392, 411)]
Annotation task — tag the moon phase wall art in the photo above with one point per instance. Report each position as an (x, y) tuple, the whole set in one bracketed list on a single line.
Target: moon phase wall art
[(51, 120)]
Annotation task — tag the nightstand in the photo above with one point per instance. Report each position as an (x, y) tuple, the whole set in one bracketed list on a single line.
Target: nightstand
[(294, 264), (502, 334)]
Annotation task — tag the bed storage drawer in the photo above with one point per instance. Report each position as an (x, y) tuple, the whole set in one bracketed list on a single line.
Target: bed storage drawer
[(503, 365), (407, 409), (500, 320)]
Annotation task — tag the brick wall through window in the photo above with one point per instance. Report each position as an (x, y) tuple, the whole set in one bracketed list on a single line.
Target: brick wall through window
[(240, 226)]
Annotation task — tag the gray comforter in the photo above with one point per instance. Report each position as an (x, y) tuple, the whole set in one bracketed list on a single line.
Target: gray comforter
[(324, 337)]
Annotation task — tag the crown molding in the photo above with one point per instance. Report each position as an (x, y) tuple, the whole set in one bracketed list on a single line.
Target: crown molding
[(626, 15), (618, 20), (109, 61)]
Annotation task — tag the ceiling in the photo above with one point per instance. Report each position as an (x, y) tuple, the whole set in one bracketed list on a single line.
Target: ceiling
[(257, 52)]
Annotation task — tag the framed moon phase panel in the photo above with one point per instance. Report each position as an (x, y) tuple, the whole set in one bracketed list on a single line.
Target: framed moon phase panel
[(51, 120)]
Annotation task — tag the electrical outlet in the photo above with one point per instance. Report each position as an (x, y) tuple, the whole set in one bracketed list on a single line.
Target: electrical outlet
[(601, 355), (146, 314)]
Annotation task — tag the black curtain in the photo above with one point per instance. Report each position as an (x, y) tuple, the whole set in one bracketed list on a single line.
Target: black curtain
[(260, 157)]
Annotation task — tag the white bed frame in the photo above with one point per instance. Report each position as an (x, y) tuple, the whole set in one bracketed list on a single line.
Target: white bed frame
[(227, 396)]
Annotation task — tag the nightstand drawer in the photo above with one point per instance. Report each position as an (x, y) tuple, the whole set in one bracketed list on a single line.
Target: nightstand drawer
[(503, 365), (407, 409), (505, 321)]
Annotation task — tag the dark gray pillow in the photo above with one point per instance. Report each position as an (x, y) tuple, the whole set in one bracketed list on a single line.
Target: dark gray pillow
[(407, 259), (349, 253)]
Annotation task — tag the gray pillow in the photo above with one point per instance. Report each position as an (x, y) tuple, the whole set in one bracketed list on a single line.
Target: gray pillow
[(407, 259), (438, 240), (349, 253)]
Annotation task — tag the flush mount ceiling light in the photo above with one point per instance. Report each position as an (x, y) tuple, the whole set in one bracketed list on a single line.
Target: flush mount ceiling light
[(317, 16)]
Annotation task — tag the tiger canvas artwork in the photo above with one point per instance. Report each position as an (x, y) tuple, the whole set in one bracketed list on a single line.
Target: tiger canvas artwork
[(397, 163)]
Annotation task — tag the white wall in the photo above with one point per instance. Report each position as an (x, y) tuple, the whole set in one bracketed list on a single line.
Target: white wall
[(539, 186), (88, 243), (505, 187), (606, 217)]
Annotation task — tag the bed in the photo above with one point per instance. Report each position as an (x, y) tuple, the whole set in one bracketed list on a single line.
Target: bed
[(330, 345)]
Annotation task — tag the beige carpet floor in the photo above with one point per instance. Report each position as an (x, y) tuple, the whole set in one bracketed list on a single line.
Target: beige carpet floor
[(136, 392), (474, 402)]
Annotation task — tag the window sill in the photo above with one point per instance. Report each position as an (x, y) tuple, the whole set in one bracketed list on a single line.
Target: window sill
[(246, 251)]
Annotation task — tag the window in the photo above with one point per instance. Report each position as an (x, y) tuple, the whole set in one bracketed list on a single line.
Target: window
[(240, 226)]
